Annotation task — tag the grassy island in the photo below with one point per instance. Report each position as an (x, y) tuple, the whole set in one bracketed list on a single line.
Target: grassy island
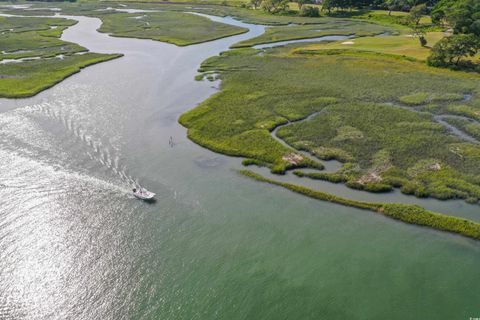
[(174, 27), (33, 58)]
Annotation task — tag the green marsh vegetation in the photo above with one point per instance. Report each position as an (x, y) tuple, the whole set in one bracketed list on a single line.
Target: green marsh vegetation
[(38, 38), (382, 146), (242, 13), (174, 27), (34, 37), (325, 27), (408, 213), (27, 78), (51, 59), (470, 127)]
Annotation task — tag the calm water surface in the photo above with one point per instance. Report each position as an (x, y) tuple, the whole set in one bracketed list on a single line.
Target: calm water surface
[(74, 244)]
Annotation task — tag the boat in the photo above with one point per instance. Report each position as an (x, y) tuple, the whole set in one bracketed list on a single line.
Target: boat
[(143, 194)]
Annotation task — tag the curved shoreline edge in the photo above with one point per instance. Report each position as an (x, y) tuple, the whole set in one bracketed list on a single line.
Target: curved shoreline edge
[(74, 69), (408, 213)]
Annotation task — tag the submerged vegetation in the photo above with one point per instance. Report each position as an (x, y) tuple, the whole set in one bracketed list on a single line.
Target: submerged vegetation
[(33, 58)]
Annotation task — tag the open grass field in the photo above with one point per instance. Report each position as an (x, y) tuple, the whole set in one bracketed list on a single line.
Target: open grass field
[(325, 27), (404, 45), (382, 146), (48, 59), (394, 18), (174, 27)]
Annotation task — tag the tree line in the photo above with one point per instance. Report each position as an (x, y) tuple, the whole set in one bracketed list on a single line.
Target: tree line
[(277, 6), (462, 17)]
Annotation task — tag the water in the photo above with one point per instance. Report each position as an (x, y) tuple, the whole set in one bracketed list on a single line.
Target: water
[(74, 244), (316, 39), (441, 119)]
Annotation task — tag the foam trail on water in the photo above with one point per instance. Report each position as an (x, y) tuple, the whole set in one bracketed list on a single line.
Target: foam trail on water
[(25, 127)]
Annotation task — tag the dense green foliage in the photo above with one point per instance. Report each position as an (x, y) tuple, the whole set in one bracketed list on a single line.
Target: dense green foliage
[(52, 59), (404, 212), (309, 12), (450, 51), (382, 146), (174, 27), (463, 16)]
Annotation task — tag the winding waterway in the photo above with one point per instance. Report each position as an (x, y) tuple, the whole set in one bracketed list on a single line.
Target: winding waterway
[(74, 244)]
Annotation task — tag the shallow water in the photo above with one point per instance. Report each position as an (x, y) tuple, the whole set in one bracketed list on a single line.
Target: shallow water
[(441, 120), (316, 39), (74, 244)]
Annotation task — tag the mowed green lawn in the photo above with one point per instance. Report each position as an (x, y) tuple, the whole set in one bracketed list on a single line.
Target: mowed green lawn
[(174, 27), (404, 45)]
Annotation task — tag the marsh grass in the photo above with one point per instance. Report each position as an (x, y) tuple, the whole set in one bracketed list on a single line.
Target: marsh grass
[(470, 127), (20, 80), (174, 27), (408, 213), (381, 142), (325, 27), (34, 37)]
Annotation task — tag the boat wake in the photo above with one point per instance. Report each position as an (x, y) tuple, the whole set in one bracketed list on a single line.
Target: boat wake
[(48, 133)]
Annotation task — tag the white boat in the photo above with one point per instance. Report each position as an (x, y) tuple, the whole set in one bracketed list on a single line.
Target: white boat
[(143, 194)]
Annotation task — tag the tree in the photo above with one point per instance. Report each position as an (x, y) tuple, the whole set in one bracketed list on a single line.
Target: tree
[(416, 14), (462, 15), (339, 4), (450, 50), (394, 4), (328, 5), (274, 6), (413, 19), (308, 11), (300, 3), (255, 3)]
